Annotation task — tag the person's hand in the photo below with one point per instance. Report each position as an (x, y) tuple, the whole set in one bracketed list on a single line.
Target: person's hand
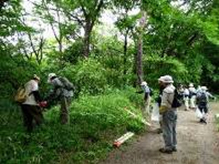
[(43, 104)]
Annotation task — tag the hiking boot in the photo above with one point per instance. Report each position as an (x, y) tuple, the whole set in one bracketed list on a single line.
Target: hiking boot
[(204, 121), (167, 151), (159, 131), (201, 120), (174, 149)]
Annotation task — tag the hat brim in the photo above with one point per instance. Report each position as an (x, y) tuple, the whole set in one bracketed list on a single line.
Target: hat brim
[(163, 81)]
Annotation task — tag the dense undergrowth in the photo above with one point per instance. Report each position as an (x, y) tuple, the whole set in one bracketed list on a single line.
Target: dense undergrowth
[(95, 121)]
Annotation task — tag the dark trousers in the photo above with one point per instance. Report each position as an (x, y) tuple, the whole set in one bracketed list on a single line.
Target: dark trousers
[(203, 107), (30, 113)]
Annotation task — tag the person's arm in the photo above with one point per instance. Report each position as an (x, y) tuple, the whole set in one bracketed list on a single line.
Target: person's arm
[(210, 95), (36, 94), (35, 91)]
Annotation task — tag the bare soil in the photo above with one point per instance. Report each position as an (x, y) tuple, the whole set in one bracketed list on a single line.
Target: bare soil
[(197, 143)]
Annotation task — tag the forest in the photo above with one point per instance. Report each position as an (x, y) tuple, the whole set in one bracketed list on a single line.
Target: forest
[(106, 48)]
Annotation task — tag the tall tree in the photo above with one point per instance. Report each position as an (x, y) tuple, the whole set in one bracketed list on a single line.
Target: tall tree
[(139, 66), (86, 14), (126, 23)]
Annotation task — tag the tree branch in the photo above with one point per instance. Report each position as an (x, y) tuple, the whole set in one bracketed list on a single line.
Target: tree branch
[(77, 19)]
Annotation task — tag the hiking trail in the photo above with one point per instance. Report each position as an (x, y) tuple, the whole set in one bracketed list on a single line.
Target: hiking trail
[(197, 143)]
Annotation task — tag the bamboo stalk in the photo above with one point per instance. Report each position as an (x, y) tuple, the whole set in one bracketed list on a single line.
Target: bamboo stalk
[(135, 116)]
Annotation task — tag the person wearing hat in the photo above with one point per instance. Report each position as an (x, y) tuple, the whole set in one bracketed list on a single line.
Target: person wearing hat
[(186, 98), (147, 96), (62, 93), (30, 107), (168, 113), (202, 100), (192, 96)]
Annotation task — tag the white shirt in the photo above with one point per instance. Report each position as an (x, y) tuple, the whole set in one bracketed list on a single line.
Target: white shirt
[(31, 86), (192, 89), (186, 92)]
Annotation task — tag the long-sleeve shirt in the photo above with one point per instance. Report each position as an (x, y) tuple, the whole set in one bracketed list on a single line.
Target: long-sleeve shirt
[(167, 98)]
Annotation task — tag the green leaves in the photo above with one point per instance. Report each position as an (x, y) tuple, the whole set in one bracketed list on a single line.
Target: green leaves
[(95, 122)]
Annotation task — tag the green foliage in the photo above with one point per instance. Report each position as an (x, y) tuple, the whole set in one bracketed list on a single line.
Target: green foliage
[(110, 54), (179, 41), (165, 65), (87, 75), (95, 122), (73, 53), (13, 74)]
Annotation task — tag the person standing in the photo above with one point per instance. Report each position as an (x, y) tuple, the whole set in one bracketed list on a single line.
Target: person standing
[(192, 96), (202, 100), (147, 96), (186, 98), (62, 91), (30, 107), (169, 114)]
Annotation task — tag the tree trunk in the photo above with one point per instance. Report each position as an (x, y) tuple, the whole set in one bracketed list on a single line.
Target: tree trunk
[(87, 30), (125, 54), (139, 66), (139, 61)]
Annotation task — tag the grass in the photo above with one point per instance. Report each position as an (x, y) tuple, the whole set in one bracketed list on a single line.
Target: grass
[(95, 122)]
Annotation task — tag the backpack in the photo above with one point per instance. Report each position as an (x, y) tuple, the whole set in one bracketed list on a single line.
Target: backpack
[(191, 94), (21, 95), (67, 84), (202, 97), (177, 100)]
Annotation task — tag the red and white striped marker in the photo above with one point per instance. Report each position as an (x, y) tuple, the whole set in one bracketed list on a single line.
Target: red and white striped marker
[(122, 139)]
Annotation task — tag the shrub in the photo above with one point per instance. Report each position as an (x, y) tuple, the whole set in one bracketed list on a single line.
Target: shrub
[(95, 122), (87, 75)]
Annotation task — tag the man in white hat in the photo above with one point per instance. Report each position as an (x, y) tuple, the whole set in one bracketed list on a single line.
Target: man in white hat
[(62, 91), (169, 114), (202, 100)]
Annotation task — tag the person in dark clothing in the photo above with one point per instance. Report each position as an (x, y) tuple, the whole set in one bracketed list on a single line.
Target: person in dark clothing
[(30, 108), (202, 100)]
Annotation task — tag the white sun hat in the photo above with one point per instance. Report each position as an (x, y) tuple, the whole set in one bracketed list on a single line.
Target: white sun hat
[(51, 75), (166, 79)]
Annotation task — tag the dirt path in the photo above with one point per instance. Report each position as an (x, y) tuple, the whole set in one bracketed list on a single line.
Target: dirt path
[(197, 144)]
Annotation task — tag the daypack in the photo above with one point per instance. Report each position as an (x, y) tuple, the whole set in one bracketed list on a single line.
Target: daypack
[(202, 97), (67, 84), (177, 100), (21, 95)]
